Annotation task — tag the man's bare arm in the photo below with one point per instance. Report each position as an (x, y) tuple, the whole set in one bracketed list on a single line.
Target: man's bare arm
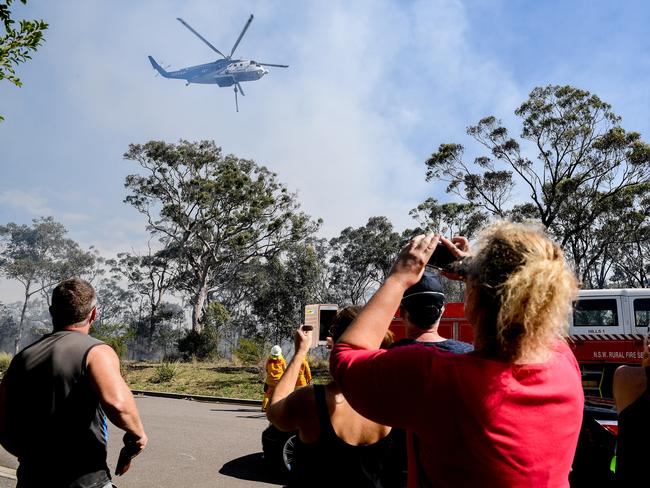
[(115, 396)]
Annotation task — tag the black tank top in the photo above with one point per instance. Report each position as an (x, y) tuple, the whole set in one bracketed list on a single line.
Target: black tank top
[(330, 462), (57, 425), (632, 453)]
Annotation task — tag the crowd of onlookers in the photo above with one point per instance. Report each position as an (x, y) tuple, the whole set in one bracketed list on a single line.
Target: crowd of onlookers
[(428, 411), (424, 411)]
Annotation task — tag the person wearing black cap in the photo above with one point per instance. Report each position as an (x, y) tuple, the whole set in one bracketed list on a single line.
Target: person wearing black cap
[(421, 309)]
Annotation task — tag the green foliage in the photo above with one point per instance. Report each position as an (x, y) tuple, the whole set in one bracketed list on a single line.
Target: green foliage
[(250, 351), (280, 289), (449, 219), (361, 259), (201, 345), (216, 315), (17, 44), (165, 372), (5, 359), (115, 335)]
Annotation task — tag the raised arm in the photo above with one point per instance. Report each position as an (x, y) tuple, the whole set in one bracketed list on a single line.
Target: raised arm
[(284, 410), (116, 399)]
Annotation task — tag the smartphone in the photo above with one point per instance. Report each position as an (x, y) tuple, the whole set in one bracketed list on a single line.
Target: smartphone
[(307, 328), (442, 258)]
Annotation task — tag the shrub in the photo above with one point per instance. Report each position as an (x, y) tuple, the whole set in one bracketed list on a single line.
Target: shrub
[(250, 352), (5, 359), (165, 372), (199, 345)]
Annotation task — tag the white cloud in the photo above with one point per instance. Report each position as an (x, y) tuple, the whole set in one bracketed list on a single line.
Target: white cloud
[(23, 201)]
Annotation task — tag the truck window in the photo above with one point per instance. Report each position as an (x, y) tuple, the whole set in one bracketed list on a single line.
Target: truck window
[(601, 312), (642, 312)]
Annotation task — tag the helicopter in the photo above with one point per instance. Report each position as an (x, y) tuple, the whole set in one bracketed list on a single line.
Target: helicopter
[(223, 72)]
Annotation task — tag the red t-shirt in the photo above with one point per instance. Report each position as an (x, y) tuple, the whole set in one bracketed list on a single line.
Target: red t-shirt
[(477, 422)]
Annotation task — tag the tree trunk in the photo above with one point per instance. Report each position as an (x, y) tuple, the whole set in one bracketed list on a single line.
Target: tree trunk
[(19, 334), (197, 309)]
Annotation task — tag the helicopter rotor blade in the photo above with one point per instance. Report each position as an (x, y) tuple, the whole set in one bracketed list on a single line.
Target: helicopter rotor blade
[(241, 90), (200, 36), (236, 102), (274, 65), (232, 51)]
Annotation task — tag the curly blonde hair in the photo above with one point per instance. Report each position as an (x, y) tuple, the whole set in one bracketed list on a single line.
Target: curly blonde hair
[(522, 290)]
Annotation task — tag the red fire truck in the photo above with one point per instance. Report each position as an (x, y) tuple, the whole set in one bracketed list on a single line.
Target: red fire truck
[(606, 328)]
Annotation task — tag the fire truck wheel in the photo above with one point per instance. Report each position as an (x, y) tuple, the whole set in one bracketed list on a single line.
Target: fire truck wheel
[(288, 451)]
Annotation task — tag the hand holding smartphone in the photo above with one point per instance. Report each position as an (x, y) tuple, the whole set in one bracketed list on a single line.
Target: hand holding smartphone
[(442, 258), (302, 339)]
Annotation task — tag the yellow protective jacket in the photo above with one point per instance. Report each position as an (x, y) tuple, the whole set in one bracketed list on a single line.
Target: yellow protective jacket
[(274, 370), (304, 375)]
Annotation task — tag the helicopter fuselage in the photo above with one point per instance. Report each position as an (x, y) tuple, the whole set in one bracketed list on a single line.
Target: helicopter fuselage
[(221, 72)]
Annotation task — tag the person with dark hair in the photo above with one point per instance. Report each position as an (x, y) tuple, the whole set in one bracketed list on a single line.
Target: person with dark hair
[(55, 398), (421, 309), (358, 452), (632, 398), (507, 414)]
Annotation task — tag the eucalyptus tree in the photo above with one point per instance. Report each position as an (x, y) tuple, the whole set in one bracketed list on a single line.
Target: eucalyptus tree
[(284, 285), (573, 163), (361, 258), (212, 213), (449, 219), (38, 256)]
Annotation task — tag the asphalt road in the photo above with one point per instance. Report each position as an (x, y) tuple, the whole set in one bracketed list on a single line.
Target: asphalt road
[(190, 444)]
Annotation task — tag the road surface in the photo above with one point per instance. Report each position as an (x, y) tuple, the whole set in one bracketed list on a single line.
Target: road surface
[(190, 444)]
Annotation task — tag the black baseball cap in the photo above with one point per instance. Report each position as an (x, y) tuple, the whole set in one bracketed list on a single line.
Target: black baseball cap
[(425, 293)]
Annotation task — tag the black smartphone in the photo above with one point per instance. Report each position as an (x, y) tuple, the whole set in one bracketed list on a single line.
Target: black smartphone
[(442, 258)]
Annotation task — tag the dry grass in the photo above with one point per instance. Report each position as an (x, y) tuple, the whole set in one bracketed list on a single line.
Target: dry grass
[(204, 378)]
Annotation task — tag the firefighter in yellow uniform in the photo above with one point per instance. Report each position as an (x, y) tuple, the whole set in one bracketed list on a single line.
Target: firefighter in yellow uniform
[(304, 375), (275, 366)]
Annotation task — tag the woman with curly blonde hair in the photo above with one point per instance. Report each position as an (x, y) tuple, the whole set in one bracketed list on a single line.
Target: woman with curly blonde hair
[(507, 414)]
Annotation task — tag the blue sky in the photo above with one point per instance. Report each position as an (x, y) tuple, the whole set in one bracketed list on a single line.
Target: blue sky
[(373, 88)]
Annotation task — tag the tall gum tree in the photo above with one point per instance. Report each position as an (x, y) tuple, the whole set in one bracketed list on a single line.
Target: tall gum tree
[(212, 213), (38, 256), (361, 258), (584, 170)]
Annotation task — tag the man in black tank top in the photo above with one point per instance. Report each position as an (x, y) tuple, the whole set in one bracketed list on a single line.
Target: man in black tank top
[(56, 396)]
